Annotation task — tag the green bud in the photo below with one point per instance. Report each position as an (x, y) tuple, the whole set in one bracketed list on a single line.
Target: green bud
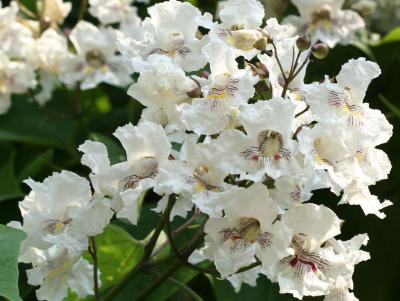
[(320, 51), (303, 43)]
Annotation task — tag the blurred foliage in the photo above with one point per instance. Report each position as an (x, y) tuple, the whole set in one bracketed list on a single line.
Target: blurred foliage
[(35, 141)]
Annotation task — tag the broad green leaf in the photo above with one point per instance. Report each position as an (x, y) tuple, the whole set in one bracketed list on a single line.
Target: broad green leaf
[(115, 151), (10, 240), (28, 123), (161, 293), (117, 253), (392, 36), (9, 187), (36, 165)]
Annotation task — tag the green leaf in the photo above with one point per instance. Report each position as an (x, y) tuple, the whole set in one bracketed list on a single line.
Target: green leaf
[(392, 36), (115, 151), (117, 254), (9, 248), (36, 165), (393, 108), (28, 123), (9, 187), (163, 292)]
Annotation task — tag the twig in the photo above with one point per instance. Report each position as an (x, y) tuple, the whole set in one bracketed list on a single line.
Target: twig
[(148, 249), (93, 253), (181, 257), (302, 112), (279, 61), (82, 9)]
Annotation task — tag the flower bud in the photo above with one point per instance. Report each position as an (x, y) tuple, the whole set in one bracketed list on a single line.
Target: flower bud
[(364, 7), (303, 43), (320, 51), (261, 44), (195, 93)]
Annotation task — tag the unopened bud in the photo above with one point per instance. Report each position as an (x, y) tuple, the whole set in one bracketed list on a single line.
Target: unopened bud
[(320, 51), (365, 7), (303, 43), (261, 44), (195, 93)]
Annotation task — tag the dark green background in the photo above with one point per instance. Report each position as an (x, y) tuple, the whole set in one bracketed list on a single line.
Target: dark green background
[(36, 141)]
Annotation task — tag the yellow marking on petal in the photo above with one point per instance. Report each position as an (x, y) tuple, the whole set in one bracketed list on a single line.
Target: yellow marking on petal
[(60, 269), (104, 68), (199, 187), (318, 159), (218, 96), (58, 227), (89, 70)]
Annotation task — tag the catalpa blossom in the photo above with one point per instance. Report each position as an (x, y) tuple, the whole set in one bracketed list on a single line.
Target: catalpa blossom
[(230, 132), (147, 149), (226, 89), (240, 27), (314, 269), (53, 58), (325, 21), (58, 273), (15, 77), (96, 60), (248, 229), (16, 39), (58, 215), (170, 30)]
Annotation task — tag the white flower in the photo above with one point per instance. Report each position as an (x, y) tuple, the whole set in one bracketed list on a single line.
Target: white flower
[(344, 102), (15, 77), (195, 173), (16, 39), (246, 14), (240, 28), (356, 194), (312, 268), (53, 59), (162, 87), (55, 212), (57, 274), (297, 187), (170, 30), (147, 150), (325, 21), (96, 61), (226, 89), (267, 147), (248, 229), (248, 277), (113, 11)]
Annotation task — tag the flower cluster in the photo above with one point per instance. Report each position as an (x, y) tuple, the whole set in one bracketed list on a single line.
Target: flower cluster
[(37, 55), (230, 128)]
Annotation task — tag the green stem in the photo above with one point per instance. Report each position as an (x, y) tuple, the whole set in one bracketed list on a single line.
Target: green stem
[(93, 254), (148, 249)]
